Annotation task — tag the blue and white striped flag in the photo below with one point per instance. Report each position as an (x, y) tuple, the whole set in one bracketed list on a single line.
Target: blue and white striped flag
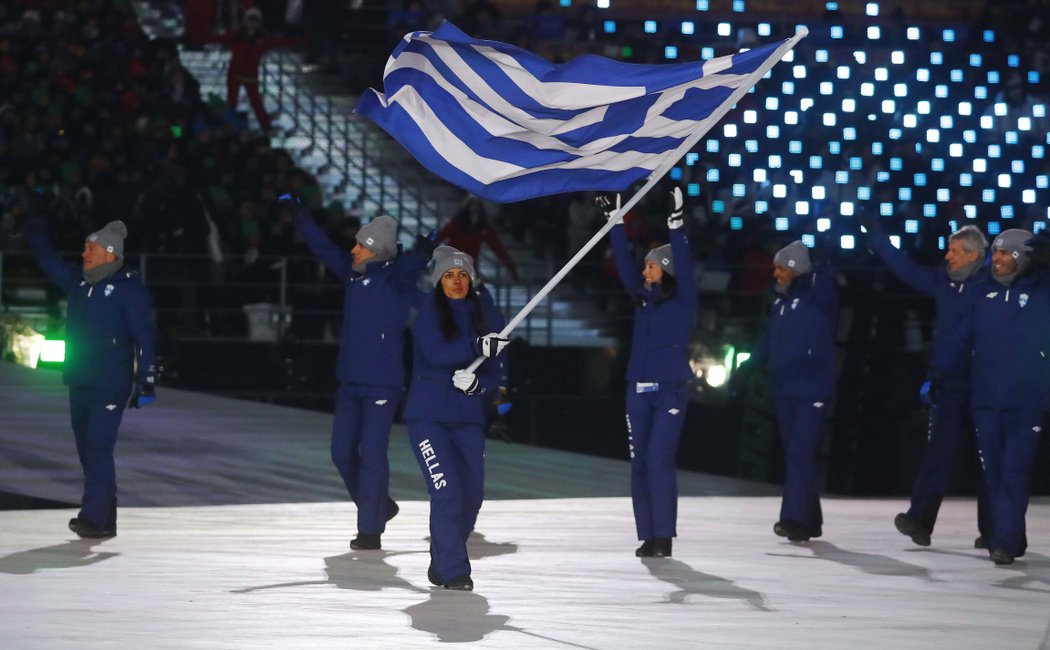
[(507, 125)]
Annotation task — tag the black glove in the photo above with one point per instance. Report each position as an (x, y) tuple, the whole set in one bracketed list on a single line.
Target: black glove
[(1040, 253), (426, 246), (608, 204), (142, 395), (491, 344)]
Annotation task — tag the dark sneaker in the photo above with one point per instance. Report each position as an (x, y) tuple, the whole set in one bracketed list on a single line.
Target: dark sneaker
[(1001, 556), (913, 528), (391, 509), (86, 530), (794, 531), (980, 542), (645, 550), (462, 583), (365, 542), (662, 547)]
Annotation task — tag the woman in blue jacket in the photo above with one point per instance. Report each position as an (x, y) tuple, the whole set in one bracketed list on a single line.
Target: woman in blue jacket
[(380, 284), (445, 411), (658, 375)]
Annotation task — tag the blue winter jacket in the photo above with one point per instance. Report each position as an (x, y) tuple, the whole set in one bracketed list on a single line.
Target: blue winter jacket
[(950, 298), (660, 336), (375, 310), (1007, 333), (109, 325), (432, 395), (799, 344)]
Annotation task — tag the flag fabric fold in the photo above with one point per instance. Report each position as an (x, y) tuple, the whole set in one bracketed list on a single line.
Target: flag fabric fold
[(507, 125)]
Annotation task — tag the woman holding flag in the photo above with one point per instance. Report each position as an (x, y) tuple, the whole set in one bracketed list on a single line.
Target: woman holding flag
[(445, 411), (658, 372)]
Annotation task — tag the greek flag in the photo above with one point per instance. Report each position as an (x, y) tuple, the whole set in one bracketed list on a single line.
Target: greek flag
[(507, 125)]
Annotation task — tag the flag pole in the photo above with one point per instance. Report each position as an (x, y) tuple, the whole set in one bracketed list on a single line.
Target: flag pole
[(654, 177)]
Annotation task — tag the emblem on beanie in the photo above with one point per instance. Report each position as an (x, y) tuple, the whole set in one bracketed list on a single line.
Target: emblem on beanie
[(791, 263), (457, 262), (370, 241), (665, 261), (110, 287), (1022, 300)]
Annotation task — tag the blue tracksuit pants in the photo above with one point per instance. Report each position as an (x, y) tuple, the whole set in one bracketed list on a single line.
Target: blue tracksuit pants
[(654, 425), (452, 459), (360, 440), (949, 418), (1007, 441), (801, 423), (95, 416)]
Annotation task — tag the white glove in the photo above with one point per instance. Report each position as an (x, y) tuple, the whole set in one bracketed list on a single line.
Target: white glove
[(609, 204), (492, 344), (676, 220), (465, 381)]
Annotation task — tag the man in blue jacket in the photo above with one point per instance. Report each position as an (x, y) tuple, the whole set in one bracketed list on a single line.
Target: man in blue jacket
[(799, 350), (1007, 336), (380, 285), (950, 286), (110, 354)]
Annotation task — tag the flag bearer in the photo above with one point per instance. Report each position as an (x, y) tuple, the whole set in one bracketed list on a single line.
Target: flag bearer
[(446, 407)]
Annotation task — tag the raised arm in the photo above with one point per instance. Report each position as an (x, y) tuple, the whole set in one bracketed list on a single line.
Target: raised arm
[(65, 274), (337, 260)]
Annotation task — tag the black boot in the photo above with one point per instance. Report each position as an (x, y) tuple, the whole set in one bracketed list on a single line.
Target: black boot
[(84, 529), (365, 542), (1001, 556), (662, 547), (794, 531), (391, 509), (913, 528), (980, 542), (461, 583), (645, 550)]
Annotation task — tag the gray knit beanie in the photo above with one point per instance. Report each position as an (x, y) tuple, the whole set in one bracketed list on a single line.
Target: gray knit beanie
[(380, 236), (1012, 241), (111, 237), (662, 256), (446, 257), (794, 256)]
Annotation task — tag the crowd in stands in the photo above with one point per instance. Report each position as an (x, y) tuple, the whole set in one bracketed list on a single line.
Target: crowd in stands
[(99, 122)]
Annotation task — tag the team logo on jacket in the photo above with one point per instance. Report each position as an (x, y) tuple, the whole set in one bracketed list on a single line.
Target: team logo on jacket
[(109, 289), (364, 283), (794, 303), (1022, 300), (992, 294)]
